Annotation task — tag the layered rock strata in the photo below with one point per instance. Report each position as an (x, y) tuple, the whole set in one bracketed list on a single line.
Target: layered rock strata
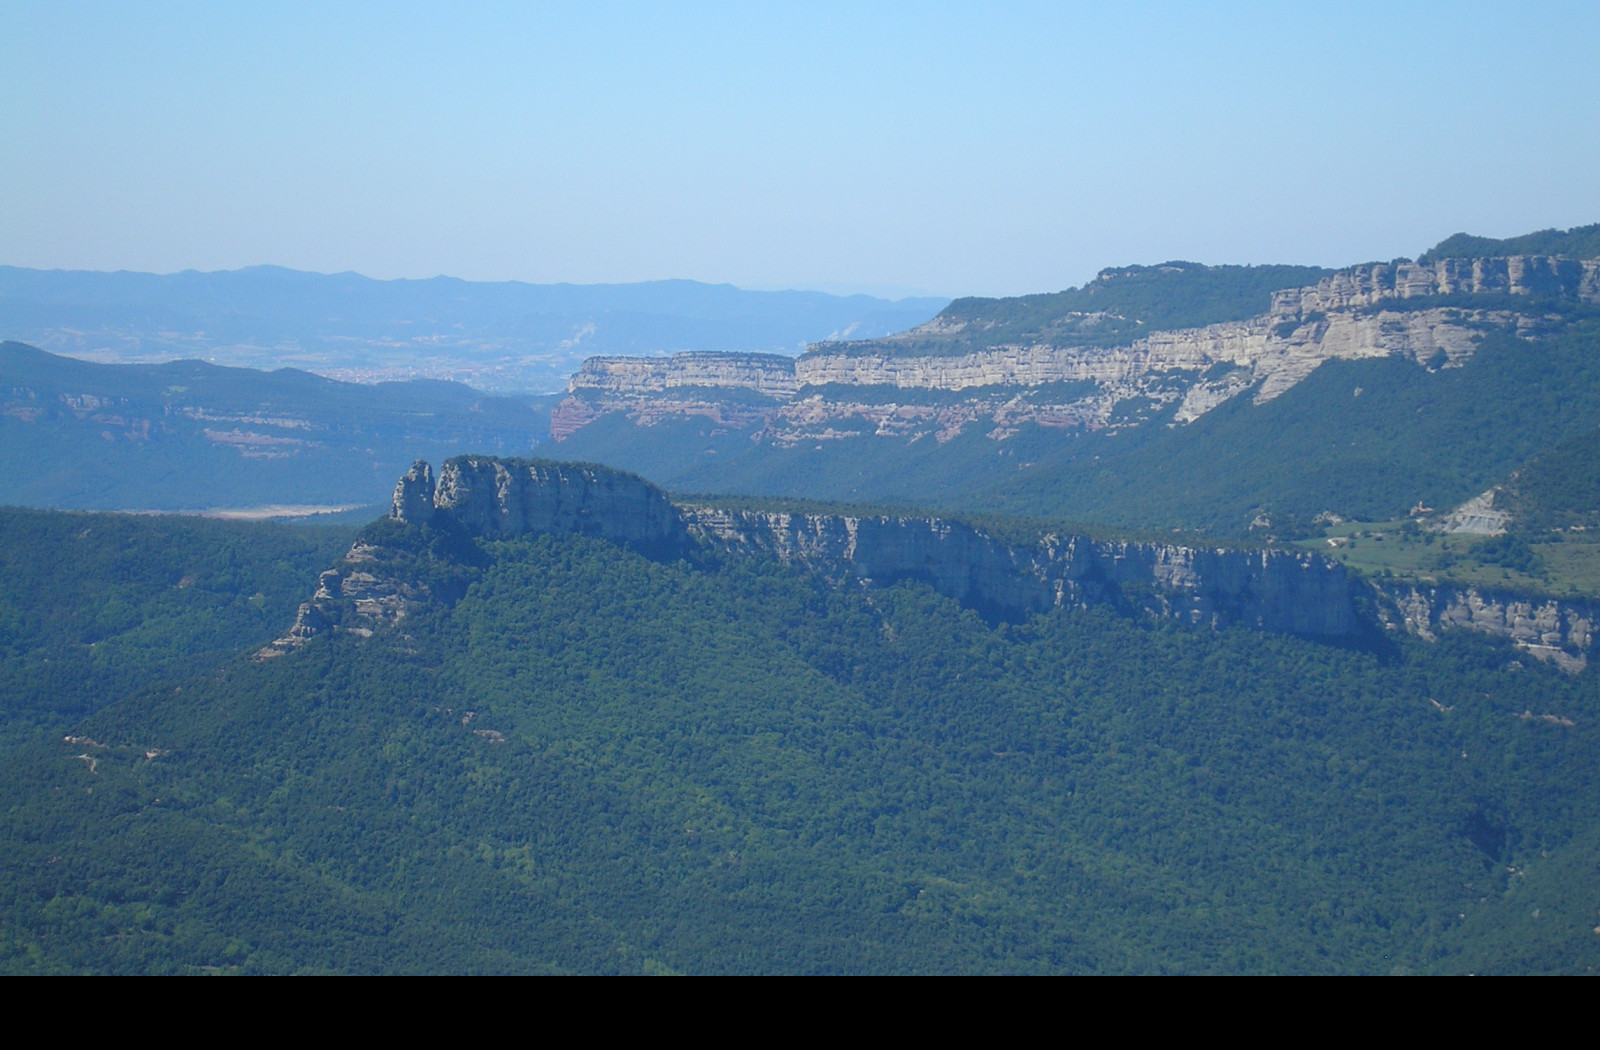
[(787, 401), (1532, 275), (1554, 629), (771, 374)]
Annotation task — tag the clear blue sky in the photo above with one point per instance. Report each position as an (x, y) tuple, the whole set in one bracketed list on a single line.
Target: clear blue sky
[(955, 149)]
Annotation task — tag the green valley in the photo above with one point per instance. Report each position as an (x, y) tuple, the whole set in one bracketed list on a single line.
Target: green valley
[(594, 761)]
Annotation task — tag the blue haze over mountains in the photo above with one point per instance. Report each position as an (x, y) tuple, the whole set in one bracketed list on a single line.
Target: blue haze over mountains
[(497, 336)]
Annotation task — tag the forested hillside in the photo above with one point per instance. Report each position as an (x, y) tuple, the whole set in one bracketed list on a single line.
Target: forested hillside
[(1363, 439), (95, 606), (191, 435), (1121, 304), (597, 762), (544, 720)]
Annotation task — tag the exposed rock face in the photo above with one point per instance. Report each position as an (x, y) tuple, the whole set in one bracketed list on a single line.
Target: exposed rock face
[(1478, 516), (490, 496), (1056, 385), (357, 595), (771, 374), (1269, 590), (1552, 629), (1261, 345), (1272, 590), (1540, 275), (413, 496), (1281, 591)]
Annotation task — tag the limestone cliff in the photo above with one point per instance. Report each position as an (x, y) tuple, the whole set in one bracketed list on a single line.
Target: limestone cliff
[(479, 496), (1274, 590), (771, 374), (1557, 629), (1357, 313), (494, 497), (1270, 590), (1533, 275)]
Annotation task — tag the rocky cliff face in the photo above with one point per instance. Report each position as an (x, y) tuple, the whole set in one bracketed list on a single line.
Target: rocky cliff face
[(360, 594), (1269, 590), (1540, 275), (1554, 629), (771, 374), (789, 401), (489, 497), (493, 498)]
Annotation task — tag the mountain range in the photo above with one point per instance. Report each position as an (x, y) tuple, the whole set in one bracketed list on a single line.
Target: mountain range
[(506, 337), (1198, 620)]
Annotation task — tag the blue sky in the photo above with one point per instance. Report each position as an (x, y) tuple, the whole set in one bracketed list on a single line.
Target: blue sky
[(942, 148)]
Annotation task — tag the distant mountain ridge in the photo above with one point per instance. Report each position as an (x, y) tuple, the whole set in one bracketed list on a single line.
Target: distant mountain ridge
[(1021, 409), (502, 336), (188, 435), (1122, 304)]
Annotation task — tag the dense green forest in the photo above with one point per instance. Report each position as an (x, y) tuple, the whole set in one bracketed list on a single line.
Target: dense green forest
[(94, 606), (597, 762), (568, 756), (1580, 242), (1118, 306), (1559, 487)]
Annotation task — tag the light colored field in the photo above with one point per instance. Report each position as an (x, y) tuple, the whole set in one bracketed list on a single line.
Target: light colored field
[(1572, 560), (276, 510)]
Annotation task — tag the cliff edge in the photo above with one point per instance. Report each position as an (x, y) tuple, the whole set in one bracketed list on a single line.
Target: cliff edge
[(483, 497)]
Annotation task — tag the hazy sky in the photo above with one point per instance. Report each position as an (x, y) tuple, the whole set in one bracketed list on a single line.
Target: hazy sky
[(955, 149)]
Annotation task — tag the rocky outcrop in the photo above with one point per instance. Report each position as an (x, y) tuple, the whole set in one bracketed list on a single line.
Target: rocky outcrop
[(488, 497), (413, 495), (494, 497), (358, 595), (1555, 629)]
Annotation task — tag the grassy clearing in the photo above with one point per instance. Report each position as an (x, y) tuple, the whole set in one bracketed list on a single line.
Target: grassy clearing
[(1563, 563)]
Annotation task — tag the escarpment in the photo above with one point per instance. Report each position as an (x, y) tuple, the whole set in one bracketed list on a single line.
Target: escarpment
[(379, 582), (1271, 590), (1051, 380), (493, 497), (478, 497)]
